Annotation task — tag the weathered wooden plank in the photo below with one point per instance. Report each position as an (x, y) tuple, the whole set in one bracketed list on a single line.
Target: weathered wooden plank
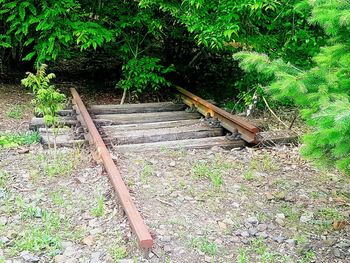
[(152, 125), (62, 140), (114, 119), (167, 134), (37, 123), (136, 108), (202, 143)]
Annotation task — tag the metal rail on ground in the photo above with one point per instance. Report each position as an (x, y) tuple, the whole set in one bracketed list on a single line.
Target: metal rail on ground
[(228, 121), (139, 227)]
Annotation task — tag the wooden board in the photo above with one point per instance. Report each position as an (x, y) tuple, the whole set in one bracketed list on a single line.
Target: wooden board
[(152, 125), (136, 108), (114, 119), (37, 123), (166, 134), (202, 143)]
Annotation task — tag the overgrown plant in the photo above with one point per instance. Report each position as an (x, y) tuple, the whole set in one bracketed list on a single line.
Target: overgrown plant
[(143, 73), (322, 92), (47, 99)]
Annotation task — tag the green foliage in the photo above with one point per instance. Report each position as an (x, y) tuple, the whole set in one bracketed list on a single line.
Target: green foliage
[(48, 101), (99, 209), (144, 73), (321, 92), (9, 140), (205, 245), (49, 28), (15, 112)]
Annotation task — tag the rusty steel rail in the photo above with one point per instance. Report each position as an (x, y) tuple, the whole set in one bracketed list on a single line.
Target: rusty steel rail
[(228, 121), (139, 227)]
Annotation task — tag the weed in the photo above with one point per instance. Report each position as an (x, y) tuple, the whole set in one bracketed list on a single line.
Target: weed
[(99, 209), (290, 212), (15, 112), (58, 199), (263, 163), (249, 175), (242, 256), (258, 246), (307, 257), (210, 171), (62, 164), (118, 252), (32, 211), (205, 245), (329, 214), (147, 171), (10, 140), (4, 177)]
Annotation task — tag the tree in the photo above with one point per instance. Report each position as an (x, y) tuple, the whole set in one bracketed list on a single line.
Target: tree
[(323, 91)]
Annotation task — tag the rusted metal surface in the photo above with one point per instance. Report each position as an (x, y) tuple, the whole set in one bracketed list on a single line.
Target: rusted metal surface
[(139, 227), (230, 122)]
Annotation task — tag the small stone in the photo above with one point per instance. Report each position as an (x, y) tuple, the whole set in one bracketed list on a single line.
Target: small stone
[(207, 258), (291, 242), (235, 239), (253, 231), (235, 205), (262, 235), (125, 261), (278, 239), (95, 257), (89, 241), (280, 222), (262, 227), (252, 220), (60, 259), (228, 221), (245, 234), (3, 221), (167, 248), (280, 216), (165, 238), (109, 259), (306, 217), (271, 226), (222, 225), (150, 255), (172, 164), (29, 257), (337, 252)]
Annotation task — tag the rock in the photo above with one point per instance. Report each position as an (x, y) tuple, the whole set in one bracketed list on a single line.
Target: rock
[(262, 234), (165, 239), (278, 239), (252, 231), (252, 220), (207, 258), (172, 164), (261, 227), (60, 259), (222, 225), (89, 241), (336, 252), (167, 248), (271, 226), (29, 257), (95, 257), (3, 221), (306, 217), (290, 242), (228, 221), (245, 234), (280, 216), (126, 261), (235, 205), (235, 239), (69, 251), (280, 222), (109, 259)]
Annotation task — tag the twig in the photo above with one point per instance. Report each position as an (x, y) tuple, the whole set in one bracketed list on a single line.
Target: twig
[(274, 114), (165, 202), (295, 117)]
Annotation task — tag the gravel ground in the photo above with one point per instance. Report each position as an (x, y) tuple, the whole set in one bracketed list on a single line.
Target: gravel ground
[(244, 205)]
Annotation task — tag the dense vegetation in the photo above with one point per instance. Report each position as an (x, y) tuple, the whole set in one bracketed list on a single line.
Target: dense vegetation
[(198, 42)]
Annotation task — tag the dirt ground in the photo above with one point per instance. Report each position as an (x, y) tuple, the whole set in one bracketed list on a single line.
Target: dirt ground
[(243, 205)]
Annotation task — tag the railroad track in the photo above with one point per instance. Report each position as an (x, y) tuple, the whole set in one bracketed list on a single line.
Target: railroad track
[(190, 123)]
